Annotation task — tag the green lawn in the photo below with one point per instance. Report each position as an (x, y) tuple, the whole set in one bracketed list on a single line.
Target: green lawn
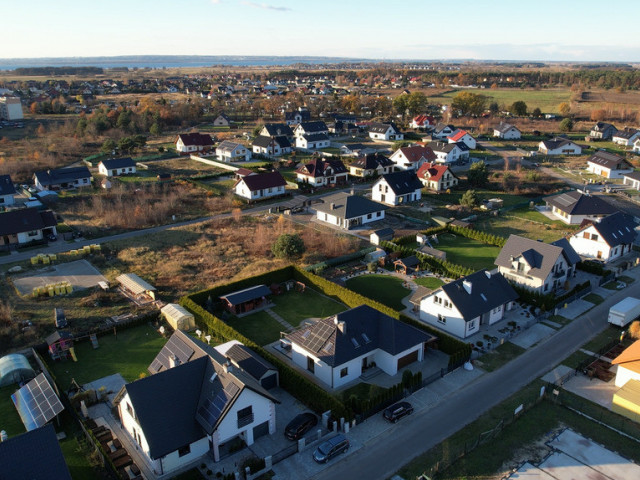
[(429, 282), (385, 289), (363, 391), (508, 199), (534, 216), (546, 100), (602, 339), (500, 356), (593, 298), (10, 420), (259, 327), (507, 225), (466, 251), (625, 279), (129, 353), (295, 307)]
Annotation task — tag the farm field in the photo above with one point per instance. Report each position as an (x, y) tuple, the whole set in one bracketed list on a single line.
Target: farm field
[(546, 100), (385, 289)]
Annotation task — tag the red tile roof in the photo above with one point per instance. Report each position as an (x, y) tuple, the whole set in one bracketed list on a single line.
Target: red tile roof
[(457, 135), (432, 171), (416, 152)]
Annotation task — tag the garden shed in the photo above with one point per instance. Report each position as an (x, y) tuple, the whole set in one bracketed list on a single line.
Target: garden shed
[(15, 368), (246, 300), (178, 317), (132, 283)]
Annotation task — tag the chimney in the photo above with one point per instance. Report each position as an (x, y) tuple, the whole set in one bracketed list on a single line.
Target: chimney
[(467, 286), (173, 361), (227, 367), (488, 273), (352, 191), (342, 326), (332, 206)]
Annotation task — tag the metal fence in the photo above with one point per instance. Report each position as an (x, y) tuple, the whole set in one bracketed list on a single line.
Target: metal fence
[(284, 453)]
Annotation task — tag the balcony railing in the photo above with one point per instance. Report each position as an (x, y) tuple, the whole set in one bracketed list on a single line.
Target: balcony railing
[(244, 421)]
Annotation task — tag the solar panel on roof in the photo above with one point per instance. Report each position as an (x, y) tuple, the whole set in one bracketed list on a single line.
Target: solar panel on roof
[(37, 403), (176, 347), (319, 337), (211, 409)]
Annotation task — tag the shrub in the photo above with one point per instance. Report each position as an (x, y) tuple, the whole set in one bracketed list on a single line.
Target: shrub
[(288, 246)]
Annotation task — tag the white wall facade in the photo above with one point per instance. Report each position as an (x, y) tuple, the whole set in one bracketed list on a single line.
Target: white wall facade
[(348, 223), (238, 154), (607, 172), (571, 149), (6, 200), (114, 172), (381, 192), (635, 184), (443, 315), (511, 134), (623, 375), (262, 412), (467, 139), (589, 243), (403, 163), (242, 190), (627, 142), (10, 108), (519, 274)]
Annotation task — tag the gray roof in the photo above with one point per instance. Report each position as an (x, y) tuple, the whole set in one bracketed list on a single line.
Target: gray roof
[(112, 163), (315, 137), (572, 256), (632, 175), (445, 147), (278, 129), (402, 182), (598, 127), (384, 232), (348, 206), (411, 261), (62, 175), (6, 185), (505, 127), (228, 146), (627, 133), (616, 229), (541, 257), (313, 127), (609, 160), (249, 361), (372, 161), (382, 127), (247, 294), (261, 181), (576, 203), (367, 329), (557, 143), (25, 220), (35, 455), (488, 291), (442, 126)]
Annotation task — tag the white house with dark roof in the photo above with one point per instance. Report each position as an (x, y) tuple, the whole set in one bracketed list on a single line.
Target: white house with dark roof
[(559, 146), (222, 121), (321, 172), (608, 165), (273, 146), (194, 401), (412, 157), (193, 142), (442, 131), (228, 151), (602, 131), (464, 137), (462, 307), (537, 266), (338, 349), (575, 207), (607, 239), (449, 152), (397, 188), (632, 179), (348, 211), (276, 130), (385, 131), (62, 178), (370, 165), (114, 167), (313, 141), (507, 132), (636, 146), (259, 186), (311, 128), (7, 191), (250, 362), (626, 137), (26, 225)]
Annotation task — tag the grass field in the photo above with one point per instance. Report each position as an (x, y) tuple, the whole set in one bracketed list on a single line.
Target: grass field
[(507, 225), (129, 353), (500, 356), (429, 282), (295, 307), (260, 327), (546, 100), (385, 289), (467, 252), (508, 199), (11, 422)]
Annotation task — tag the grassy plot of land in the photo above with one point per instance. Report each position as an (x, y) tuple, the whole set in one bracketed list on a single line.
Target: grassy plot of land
[(129, 353), (593, 298), (363, 391), (508, 225), (10, 420), (508, 199), (546, 100), (603, 338), (429, 282), (260, 327), (295, 307), (500, 356), (466, 251), (385, 289)]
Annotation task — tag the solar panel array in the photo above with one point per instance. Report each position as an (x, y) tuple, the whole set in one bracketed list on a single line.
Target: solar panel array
[(212, 408), (176, 347), (37, 403), (321, 333)]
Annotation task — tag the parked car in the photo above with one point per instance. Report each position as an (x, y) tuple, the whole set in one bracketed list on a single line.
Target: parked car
[(332, 447), (51, 237), (397, 411), (300, 425), (60, 318)]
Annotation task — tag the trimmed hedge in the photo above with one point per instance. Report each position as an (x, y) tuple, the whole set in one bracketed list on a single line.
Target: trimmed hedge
[(546, 301), (594, 268), (478, 235)]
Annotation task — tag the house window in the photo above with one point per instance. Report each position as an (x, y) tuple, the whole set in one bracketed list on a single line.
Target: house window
[(344, 372), (369, 216), (311, 365), (378, 214), (594, 237), (442, 319), (437, 300), (33, 233), (129, 408), (186, 450), (245, 416), (472, 324)]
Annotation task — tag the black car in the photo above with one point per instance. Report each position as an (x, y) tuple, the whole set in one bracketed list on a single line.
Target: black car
[(397, 411), (332, 447), (300, 425)]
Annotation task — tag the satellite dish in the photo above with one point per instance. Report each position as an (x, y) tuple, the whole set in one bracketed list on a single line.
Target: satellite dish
[(198, 333), (161, 330), (208, 338)]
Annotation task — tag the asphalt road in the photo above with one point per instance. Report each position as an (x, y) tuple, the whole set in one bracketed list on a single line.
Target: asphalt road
[(384, 455)]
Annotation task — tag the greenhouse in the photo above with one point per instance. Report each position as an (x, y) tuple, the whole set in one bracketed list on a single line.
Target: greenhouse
[(15, 368)]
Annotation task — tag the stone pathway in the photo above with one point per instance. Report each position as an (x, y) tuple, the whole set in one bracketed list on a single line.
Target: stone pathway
[(280, 320)]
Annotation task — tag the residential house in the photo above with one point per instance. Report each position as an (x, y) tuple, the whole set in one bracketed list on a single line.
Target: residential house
[(437, 177), (626, 137), (320, 172), (115, 167), (338, 349), (636, 146), (62, 178), (607, 239), (385, 131), (7, 191), (274, 130), (297, 116), (449, 152), (249, 361), (228, 151), (559, 146), (243, 172), (412, 157), (384, 234), (272, 146), (608, 165), (462, 136), (221, 121), (626, 401), (262, 185), (397, 188), (628, 363), (602, 131), (193, 142), (632, 179), (507, 132), (463, 306), (10, 108), (26, 225), (311, 128), (575, 207), (348, 211), (373, 164), (313, 141), (537, 266), (422, 122), (442, 131), (193, 402)]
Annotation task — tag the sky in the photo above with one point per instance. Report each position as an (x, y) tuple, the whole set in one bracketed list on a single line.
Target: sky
[(542, 30)]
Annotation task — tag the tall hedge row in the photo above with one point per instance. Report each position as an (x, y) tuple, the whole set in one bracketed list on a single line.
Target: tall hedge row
[(478, 235)]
